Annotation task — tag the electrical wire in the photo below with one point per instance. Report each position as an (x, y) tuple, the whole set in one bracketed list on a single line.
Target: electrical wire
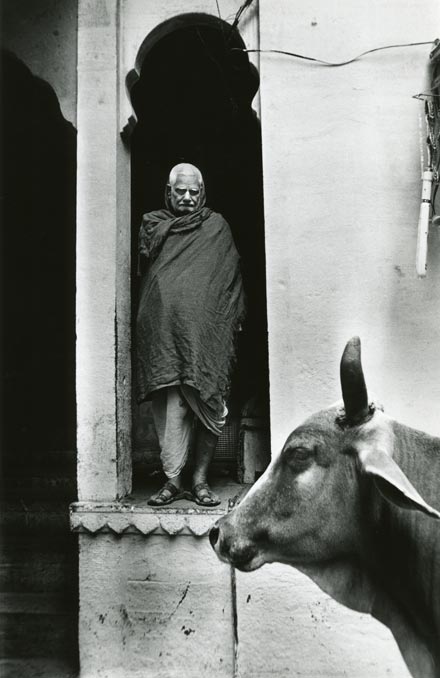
[(330, 63), (422, 96), (243, 7)]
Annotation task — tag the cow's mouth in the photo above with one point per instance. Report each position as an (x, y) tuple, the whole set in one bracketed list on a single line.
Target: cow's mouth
[(250, 565), (243, 557), (244, 564)]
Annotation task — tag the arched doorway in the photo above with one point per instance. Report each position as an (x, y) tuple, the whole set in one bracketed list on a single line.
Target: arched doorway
[(37, 420), (192, 91), (38, 265)]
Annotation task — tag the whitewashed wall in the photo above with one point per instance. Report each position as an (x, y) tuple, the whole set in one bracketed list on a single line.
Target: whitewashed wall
[(342, 192)]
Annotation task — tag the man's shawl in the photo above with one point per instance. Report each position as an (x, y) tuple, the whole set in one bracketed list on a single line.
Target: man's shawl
[(190, 306)]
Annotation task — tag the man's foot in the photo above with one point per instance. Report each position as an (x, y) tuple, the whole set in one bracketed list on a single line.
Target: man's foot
[(204, 496), (166, 495)]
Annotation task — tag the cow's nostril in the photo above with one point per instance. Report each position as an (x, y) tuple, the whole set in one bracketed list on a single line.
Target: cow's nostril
[(213, 535)]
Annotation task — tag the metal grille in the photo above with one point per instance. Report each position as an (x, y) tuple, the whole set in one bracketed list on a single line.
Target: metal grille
[(228, 442)]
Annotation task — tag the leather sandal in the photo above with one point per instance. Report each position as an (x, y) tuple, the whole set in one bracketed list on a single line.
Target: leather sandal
[(204, 496), (166, 495)]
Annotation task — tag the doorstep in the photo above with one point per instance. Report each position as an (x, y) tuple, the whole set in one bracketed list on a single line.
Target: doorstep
[(133, 515)]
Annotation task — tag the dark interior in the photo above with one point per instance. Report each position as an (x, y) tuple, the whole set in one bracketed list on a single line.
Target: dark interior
[(192, 96), (38, 554), (38, 265)]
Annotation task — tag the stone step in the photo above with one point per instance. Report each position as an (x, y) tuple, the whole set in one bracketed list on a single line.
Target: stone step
[(37, 625), (31, 517), (52, 460), (38, 589), (38, 566), (39, 475), (46, 667), (33, 487), (34, 603)]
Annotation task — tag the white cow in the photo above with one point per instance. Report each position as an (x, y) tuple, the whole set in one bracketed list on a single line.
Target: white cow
[(340, 504)]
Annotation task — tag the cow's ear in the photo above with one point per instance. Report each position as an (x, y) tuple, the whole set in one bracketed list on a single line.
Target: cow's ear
[(354, 390), (392, 483)]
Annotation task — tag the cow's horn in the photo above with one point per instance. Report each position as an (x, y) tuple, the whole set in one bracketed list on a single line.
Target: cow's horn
[(354, 390)]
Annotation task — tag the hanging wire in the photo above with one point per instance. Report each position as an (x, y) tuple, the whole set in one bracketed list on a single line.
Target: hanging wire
[(430, 98), (330, 63), (248, 3), (242, 9)]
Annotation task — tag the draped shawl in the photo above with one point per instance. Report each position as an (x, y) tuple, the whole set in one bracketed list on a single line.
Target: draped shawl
[(191, 303)]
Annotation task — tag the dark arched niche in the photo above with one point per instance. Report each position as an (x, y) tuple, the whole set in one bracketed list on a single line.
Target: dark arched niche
[(37, 319), (192, 90), (38, 265)]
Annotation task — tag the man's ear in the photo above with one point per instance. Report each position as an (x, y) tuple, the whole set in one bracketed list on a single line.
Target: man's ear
[(391, 481)]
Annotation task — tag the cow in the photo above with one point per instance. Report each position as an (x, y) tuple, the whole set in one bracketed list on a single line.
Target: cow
[(340, 504)]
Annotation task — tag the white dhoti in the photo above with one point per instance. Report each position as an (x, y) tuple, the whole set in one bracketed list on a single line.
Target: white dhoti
[(174, 408)]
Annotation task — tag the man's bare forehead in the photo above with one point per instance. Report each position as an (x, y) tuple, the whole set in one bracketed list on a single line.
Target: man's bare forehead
[(186, 180)]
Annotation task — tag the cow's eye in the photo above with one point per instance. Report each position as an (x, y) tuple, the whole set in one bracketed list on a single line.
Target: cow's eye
[(298, 454), (302, 453)]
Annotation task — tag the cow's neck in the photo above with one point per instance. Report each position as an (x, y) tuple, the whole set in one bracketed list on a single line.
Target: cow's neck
[(403, 552), (348, 582), (406, 544), (395, 575)]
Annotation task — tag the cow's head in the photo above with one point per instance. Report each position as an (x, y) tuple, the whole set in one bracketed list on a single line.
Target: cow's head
[(307, 506)]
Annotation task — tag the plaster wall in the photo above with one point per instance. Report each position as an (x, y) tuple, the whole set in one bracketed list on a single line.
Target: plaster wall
[(43, 34), (152, 615), (103, 376), (342, 170), (289, 629)]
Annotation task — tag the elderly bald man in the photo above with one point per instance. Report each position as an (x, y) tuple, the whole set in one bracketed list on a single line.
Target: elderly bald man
[(191, 305)]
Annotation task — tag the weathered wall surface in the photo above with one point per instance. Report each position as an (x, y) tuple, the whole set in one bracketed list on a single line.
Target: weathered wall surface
[(103, 261), (43, 34), (288, 628), (152, 615), (342, 193)]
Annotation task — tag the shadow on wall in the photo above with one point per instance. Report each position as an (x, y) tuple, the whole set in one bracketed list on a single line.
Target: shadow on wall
[(192, 95)]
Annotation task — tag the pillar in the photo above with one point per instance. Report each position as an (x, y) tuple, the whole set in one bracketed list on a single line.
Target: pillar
[(103, 380)]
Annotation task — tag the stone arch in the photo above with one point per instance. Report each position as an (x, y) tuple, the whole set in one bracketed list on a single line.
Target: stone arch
[(216, 95)]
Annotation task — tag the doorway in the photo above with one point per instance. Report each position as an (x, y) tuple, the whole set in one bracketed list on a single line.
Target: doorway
[(38, 412), (192, 93)]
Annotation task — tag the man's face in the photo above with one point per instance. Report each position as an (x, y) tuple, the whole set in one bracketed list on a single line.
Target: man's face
[(185, 194)]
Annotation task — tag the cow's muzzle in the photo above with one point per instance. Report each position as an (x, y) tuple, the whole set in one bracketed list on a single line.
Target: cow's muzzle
[(231, 548)]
